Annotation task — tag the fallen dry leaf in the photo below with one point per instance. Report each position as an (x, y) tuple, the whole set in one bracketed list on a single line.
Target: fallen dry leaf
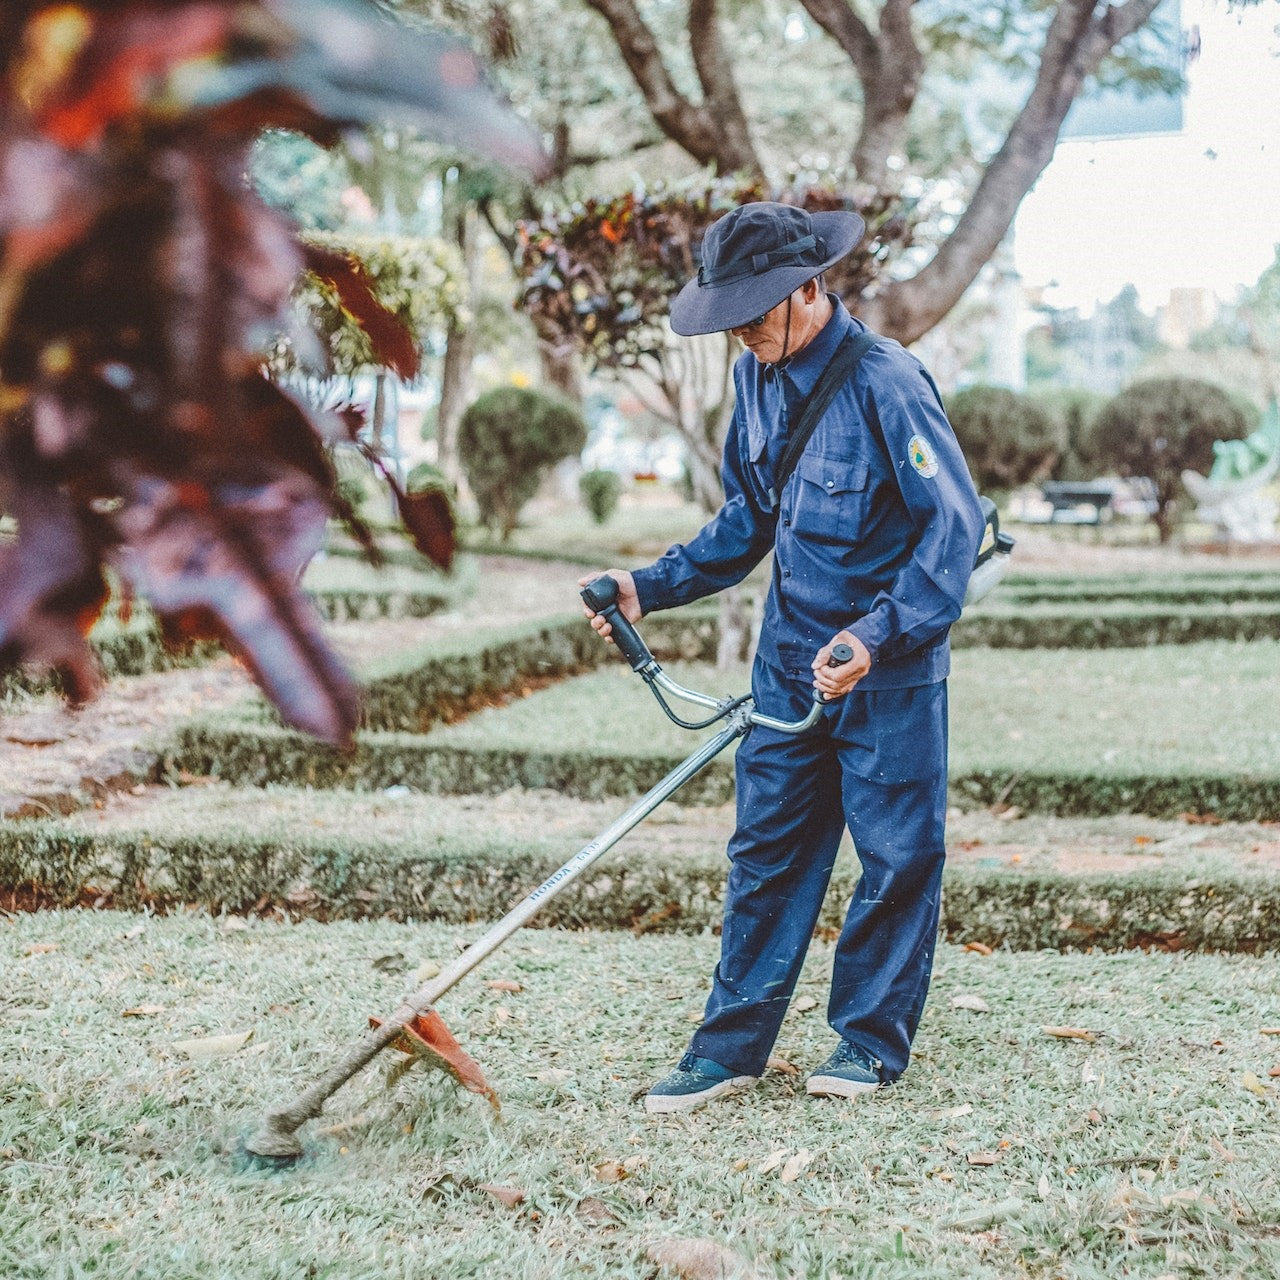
[(1253, 1084), (203, 1047), (609, 1171), (510, 1197), (773, 1160), (804, 1004), (1070, 1033), (427, 970), (39, 948), (1042, 1187), (980, 948), (593, 1209), (234, 924), (142, 1011), (1223, 1153), (1187, 1196), (975, 1004), (796, 1165), (503, 984), (693, 1259), (1273, 1072), (781, 1064), (1269, 1031), (982, 1158)]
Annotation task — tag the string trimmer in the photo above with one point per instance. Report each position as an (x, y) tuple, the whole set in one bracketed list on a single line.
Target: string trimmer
[(416, 1026)]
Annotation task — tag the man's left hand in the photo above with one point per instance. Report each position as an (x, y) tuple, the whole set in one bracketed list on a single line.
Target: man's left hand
[(835, 682)]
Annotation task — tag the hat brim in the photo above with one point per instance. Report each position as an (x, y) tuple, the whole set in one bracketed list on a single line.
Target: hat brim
[(718, 307)]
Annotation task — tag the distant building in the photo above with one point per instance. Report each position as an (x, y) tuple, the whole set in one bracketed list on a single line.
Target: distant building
[(1189, 312)]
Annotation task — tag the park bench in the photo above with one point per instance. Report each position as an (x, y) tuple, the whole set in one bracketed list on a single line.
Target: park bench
[(1097, 501)]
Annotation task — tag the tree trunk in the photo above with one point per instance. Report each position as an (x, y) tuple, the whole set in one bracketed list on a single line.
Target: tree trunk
[(459, 354), (561, 365)]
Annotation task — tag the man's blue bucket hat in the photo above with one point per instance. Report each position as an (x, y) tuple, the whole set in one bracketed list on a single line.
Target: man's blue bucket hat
[(754, 257)]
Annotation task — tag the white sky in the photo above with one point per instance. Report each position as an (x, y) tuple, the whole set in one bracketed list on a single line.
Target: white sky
[(1200, 209)]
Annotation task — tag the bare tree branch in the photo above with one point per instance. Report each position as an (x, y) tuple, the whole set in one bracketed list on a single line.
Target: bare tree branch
[(715, 71), (889, 65), (1075, 45), (695, 128)]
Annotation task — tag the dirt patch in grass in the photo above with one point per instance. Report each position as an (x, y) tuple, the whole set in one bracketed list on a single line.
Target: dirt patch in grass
[(1142, 1145)]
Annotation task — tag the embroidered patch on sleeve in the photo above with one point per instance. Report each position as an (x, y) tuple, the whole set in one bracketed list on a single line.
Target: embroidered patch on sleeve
[(922, 456)]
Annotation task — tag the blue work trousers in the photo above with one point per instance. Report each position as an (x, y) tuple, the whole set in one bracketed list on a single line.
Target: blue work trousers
[(876, 763)]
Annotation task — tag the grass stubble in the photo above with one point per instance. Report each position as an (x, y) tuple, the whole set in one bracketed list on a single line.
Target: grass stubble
[(1149, 1151)]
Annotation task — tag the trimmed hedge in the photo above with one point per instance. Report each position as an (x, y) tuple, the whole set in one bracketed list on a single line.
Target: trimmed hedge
[(257, 755), (363, 605), (469, 880), (134, 648), (250, 755), (1109, 625), (417, 688), (1188, 587)]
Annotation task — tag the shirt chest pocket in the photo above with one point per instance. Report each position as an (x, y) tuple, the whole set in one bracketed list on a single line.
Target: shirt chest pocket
[(829, 498)]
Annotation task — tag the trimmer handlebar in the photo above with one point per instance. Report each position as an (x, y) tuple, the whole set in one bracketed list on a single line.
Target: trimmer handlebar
[(601, 596)]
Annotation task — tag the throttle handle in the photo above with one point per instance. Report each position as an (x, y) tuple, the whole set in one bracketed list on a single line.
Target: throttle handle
[(600, 595)]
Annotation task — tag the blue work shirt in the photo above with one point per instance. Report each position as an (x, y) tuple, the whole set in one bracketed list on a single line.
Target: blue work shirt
[(875, 532)]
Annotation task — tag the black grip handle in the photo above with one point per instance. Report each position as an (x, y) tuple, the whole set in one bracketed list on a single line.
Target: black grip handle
[(840, 654), (600, 595)]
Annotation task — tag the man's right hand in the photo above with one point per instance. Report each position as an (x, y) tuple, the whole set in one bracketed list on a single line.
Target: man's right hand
[(628, 600)]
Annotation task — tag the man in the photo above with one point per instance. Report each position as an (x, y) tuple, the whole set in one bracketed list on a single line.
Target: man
[(874, 536)]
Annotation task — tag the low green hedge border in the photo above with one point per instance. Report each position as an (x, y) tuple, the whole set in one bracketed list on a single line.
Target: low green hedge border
[(1111, 624), (1021, 910), (134, 648), (245, 754), (1173, 588), (251, 755)]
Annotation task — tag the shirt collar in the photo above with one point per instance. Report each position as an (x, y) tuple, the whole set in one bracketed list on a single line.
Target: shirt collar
[(803, 369)]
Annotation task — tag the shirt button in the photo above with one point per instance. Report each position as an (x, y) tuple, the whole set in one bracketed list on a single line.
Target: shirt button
[(786, 573), (786, 524), (831, 484)]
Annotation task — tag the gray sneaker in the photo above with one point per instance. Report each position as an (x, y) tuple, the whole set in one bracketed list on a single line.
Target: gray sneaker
[(694, 1082), (849, 1072)]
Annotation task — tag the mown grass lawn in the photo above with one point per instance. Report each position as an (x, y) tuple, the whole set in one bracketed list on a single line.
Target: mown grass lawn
[(1165, 709), (1147, 1152)]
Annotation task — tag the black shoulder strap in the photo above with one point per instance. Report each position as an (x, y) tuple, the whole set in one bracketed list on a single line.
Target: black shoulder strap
[(839, 370)]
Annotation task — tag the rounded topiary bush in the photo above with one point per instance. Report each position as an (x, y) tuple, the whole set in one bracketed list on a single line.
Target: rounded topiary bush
[(1160, 427), (600, 491), (1007, 438), (508, 440), (1075, 409)]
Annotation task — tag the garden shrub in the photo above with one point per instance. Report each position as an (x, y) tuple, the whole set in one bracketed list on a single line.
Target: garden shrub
[(240, 867), (508, 439), (600, 491), (1160, 427), (1075, 411), (1007, 439)]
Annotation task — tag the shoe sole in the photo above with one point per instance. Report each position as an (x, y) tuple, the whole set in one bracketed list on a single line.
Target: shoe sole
[(668, 1104), (835, 1087)]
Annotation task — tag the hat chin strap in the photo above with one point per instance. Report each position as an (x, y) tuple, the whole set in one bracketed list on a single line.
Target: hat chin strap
[(775, 365)]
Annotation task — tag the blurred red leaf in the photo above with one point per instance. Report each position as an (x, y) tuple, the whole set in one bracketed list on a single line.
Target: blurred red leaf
[(392, 343), (429, 519)]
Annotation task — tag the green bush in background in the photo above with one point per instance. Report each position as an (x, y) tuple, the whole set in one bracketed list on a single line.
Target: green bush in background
[(508, 440), (600, 491), (1007, 438), (1160, 427), (1075, 410)]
